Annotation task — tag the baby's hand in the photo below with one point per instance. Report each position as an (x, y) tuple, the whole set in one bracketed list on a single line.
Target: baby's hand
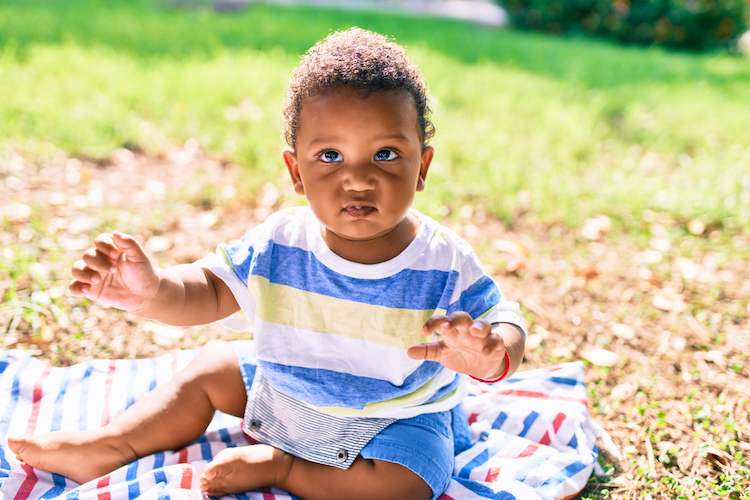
[(466, 346), (116, 272)]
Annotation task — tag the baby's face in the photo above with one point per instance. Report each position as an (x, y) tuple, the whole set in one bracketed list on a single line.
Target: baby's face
[(359, 161)]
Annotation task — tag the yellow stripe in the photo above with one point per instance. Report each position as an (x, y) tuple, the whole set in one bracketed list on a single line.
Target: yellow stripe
[(284, 305)]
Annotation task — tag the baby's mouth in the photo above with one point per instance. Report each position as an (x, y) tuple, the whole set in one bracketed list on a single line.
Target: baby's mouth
[(358, 210)]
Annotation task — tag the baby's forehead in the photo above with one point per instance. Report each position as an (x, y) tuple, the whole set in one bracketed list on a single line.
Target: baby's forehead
[(396, 97)]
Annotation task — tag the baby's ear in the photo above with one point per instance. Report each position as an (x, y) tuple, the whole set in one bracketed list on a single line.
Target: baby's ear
[(427, 153), (292, 166)]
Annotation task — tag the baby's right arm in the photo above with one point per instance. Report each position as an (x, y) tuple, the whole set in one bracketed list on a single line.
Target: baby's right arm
[(119, 273)]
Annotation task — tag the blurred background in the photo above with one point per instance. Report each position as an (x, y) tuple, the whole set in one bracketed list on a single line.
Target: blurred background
[(596, 153)]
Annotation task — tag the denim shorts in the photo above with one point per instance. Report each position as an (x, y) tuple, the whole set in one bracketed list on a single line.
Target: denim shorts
[(425, 444)]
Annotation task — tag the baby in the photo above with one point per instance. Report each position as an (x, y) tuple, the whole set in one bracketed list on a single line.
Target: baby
[(337, 387)]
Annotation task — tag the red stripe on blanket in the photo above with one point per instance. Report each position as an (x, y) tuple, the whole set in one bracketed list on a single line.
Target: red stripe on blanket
[(473, 418), (108, 392), (541, 395), (103, 485), (492, 474), (558, 421), (182, 456), (545, 439), (28, 484), (267, 495), (37, 401), (528, 451), (445, 497), (187, 477)]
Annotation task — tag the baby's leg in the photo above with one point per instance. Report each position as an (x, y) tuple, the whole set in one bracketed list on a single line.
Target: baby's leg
[(235, 470), (170, 417)]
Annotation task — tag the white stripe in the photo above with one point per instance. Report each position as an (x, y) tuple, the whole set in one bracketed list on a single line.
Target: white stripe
[(290, 346)]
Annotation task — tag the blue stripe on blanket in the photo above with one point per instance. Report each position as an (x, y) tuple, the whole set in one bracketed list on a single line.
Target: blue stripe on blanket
[(57, 413), (85, 382), (134, 489), (484, 491)]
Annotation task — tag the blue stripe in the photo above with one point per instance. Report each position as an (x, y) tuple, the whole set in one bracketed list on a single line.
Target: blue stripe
[(14, 392), (320, 387), (567, 381), (57, 413), (84, 411), (72, 495), (161, 489), (563, 475), (484, 491), (492, 450), (159, 475), (500, 420), (134, 489), (533, 465), (3, 366), (528, 422), (130, 398), (56, 490), (154, 372), (573, 443), (4, 465), (8, 414), (300, 269), (479, 298)]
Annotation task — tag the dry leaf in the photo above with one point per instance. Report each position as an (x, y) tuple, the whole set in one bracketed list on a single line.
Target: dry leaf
[(510, 247), (514, 266), (163, 335), (157, 244), (601, 357), (625, 332), (696, 227), (624, 391), (588, 272), (534, 341)]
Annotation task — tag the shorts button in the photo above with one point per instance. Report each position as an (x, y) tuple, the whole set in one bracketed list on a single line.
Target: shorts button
[(254, 424), (342, 455)]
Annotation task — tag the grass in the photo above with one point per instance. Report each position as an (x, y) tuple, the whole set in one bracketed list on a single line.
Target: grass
[(558, 129)]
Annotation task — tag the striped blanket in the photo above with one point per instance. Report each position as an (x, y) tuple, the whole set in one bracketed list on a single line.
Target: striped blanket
[(532, 435)]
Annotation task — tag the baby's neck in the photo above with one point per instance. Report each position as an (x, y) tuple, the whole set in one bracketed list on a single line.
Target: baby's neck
[(374, 251)]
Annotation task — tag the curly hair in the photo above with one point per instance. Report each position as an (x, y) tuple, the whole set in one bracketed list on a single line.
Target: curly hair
[(358, 59)]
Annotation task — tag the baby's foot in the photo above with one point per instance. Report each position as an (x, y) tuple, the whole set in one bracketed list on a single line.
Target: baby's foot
[(245, 468), (80, 456)]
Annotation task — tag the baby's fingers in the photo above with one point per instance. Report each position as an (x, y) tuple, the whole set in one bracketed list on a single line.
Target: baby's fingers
[(106, 245), (97, 261), (432, 324), (84, 274), (428, 352)]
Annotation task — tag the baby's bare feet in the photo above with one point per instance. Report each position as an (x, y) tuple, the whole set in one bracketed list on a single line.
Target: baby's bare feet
[(245, 468), (80, 456)]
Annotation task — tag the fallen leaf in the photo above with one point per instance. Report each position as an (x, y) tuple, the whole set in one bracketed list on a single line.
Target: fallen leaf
[(157, 244), (623, 391), (534, 341), (625, 332), (510, 247), (696, 227), (514, 266), (163, 335), (588, 272), (601, 357)]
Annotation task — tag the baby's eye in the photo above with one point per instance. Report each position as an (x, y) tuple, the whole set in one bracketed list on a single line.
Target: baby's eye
[(385, 155), (330, 156)]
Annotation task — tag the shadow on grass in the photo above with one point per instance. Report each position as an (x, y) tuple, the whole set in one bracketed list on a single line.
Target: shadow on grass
[(147, 29)]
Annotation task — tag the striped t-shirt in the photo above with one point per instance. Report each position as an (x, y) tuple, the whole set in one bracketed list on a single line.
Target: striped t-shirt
[(333, 334)]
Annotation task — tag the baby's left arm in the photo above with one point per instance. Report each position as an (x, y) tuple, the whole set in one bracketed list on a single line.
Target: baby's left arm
[(476, 348)]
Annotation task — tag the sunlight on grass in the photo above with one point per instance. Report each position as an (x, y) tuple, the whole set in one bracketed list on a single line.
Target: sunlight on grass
[(557, 129)]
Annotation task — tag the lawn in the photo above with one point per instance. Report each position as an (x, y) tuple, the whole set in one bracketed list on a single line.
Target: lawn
[(606, 188)]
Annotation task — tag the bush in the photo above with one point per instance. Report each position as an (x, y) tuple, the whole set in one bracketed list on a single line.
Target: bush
[(685, 24)]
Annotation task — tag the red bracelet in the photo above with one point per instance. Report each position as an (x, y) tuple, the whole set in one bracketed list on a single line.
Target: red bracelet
[(507, 369)]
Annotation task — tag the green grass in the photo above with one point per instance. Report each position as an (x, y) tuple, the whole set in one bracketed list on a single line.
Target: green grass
[(557, 129)]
